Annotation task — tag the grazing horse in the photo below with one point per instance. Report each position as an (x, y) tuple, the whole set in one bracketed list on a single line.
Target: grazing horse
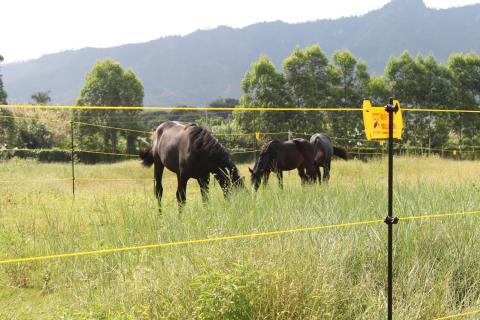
[(324, 150), (279, 156), (191, 152)]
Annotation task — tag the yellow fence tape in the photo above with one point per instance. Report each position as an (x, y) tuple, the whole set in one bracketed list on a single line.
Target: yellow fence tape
[(216, 239)]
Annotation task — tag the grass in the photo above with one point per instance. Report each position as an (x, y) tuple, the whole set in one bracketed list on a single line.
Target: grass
[(329, 274)]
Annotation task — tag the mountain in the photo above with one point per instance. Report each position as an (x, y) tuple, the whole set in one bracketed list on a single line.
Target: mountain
[(207, 64)]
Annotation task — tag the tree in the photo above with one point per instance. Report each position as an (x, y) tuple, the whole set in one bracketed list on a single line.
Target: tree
[(465, 70), (33, 134), (402, 74), (7, 122), (3, 94), (41, 98), (222, 103), (350, 82), (263, 87), (7, 128), (422, 83), (307, 74), (377, 90), (108, 84), (436, 89)]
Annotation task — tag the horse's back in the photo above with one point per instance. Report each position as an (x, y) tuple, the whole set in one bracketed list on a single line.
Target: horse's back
[(322, 140), (188, 148), (169, 143), (306, 149), (292, 154), (323, 147)]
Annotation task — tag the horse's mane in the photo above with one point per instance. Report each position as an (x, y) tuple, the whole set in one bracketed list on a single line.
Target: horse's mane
[(266, 153), (269, 145), (202, 140)]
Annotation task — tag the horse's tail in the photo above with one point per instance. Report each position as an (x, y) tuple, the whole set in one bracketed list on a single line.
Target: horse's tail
[(341, 152), (147, 157)]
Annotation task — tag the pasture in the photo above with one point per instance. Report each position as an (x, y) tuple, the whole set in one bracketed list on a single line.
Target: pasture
[(328, 274)]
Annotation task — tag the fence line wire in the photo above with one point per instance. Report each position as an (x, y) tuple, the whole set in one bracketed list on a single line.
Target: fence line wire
[(110, 127), (252, 133), (35, 180), (223, 238), (191, 108), (69, 151), (233, 151), (86, 179), (168, 108)]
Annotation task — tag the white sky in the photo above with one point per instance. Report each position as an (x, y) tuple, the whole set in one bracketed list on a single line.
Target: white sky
[(31, 28)]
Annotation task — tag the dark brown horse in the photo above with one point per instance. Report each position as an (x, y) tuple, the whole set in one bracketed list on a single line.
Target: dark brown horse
[(324, 151), (279, 156), (191, 152)]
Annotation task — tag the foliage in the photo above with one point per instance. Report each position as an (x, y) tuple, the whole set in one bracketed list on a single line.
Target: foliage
[(222, 103), (7, 128), (34, 134), (228, 296), (350, 85), (308, 81), (108, 84), (263, 87), (50, 155), (3, 94), (41, 98)]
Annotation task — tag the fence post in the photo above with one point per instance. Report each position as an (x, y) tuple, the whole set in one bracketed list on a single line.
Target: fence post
[(390, 220), (72, 158)]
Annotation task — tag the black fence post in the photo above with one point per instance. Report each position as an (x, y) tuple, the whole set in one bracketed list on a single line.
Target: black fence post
[(390, 220), (73, 157)]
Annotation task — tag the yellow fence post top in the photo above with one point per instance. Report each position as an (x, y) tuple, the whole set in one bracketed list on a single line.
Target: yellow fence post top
[(375, 120)]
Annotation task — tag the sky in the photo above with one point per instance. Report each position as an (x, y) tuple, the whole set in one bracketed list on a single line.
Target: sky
[(31, 28)]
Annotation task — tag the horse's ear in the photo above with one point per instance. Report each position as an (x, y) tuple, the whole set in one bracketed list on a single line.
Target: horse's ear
[(249, 169)]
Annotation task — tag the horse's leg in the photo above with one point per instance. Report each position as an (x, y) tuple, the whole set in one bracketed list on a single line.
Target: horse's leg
[(311, 171), (326, 171), (203, 183), (181, 190), (280, 178), (158, 171), (318, 175), (301, 173)]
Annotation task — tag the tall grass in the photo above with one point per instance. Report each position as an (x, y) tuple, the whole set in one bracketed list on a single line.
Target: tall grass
[(330, 274)]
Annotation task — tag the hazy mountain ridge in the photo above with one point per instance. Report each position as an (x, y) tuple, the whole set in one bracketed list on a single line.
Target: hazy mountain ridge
[(207, 64)]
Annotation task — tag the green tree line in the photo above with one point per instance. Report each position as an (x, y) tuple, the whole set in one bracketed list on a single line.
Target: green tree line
[(307, 78)]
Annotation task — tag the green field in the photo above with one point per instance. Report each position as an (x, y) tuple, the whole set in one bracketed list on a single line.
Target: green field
[(329, 274)]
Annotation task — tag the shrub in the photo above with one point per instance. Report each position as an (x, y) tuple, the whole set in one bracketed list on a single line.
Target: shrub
[(227, 295)]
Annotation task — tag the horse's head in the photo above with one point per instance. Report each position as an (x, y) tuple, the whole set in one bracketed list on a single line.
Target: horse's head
[(228, 178), (262, 167), (256, 178)]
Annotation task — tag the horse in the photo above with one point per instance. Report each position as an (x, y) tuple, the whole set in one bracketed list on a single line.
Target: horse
[(323, 152), (279, 156), (190, 151)]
